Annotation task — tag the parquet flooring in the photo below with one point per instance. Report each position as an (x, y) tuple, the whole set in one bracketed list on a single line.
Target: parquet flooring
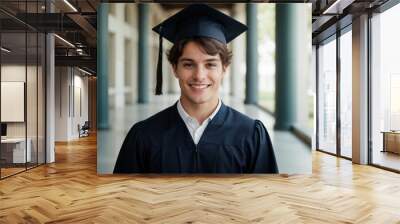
[(9, 171), (70, 191)]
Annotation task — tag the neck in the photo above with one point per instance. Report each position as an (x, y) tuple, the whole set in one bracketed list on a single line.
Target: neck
[(199, 111)]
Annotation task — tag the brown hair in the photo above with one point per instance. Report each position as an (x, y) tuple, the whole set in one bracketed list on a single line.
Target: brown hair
[(209, 45)]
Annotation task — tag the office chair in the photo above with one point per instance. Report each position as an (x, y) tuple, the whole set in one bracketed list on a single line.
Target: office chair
[(84, 130)]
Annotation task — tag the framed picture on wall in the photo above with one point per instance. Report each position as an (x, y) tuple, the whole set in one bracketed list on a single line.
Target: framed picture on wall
[(12, 101)]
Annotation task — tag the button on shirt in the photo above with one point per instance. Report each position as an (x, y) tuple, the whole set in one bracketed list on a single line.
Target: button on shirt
[(195, 129)]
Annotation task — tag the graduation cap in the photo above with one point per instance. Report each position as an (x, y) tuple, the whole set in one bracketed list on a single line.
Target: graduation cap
[(197, 20)]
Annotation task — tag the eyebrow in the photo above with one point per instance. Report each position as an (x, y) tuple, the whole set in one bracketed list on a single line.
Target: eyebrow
[(207, 60)]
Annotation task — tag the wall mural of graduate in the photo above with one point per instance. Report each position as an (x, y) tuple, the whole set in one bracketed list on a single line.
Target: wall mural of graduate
[(192, 129)]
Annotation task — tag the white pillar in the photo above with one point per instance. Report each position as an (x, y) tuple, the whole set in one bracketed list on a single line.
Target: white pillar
[(119, 60), (50, 99), (360, 90), (313, 70), (238, 66)]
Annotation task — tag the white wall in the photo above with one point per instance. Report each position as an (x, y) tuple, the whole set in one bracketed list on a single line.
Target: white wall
[(70, 84), (33, 106), (17, 73), (61, 103), (80, 83)]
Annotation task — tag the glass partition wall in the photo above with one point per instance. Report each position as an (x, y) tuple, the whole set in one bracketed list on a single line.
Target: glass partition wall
[(13, 87), (385, 90), (22, 80), (327, 95), (335, 125), (346, 93), (334, 58)]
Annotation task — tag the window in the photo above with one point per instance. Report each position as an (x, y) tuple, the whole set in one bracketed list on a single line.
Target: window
[(327, 96), (346, 94), (385, 85), (266, 52), (22, 78)]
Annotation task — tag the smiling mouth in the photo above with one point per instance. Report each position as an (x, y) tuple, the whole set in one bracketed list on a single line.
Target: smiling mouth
[(199, 86)]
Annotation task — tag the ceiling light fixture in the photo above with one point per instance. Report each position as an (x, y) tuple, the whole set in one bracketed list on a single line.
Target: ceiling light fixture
[(70, 5), (64, 40), (84, 71), (331, 7), (5, 50), (337, 7)]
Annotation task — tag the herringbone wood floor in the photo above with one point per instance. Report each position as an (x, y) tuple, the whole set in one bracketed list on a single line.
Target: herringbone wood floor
[(70, 191)]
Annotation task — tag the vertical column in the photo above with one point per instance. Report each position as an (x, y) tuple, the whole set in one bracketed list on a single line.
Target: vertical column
[(143, 57), (287, 60), (314, 70), (251, 55), (360, 90), (119, 66), (50, 92), (102, 66), (338, 95), (238, 66)]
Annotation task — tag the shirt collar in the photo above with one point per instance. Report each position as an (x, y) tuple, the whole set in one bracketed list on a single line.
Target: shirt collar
[(186, 117)]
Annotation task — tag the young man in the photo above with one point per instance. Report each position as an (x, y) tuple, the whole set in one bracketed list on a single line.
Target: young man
[(198, 134)]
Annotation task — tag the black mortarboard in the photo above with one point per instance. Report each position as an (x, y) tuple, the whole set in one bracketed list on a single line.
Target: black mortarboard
[(197, 20)]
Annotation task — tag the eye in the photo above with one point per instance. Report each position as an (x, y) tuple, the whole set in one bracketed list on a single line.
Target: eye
[(187, 65), (211, 65)]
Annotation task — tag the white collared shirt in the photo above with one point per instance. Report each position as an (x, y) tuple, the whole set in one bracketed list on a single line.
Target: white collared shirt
[(195, 129)]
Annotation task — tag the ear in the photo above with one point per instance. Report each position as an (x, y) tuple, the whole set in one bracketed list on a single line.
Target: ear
[(224, 68)]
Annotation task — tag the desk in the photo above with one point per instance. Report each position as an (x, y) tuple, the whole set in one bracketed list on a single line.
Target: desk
[(16, 147), (391, 141)]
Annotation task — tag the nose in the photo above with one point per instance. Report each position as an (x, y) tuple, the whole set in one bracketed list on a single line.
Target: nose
[(200, 73)]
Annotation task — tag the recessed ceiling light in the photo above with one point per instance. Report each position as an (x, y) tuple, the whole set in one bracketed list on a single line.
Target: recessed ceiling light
[(5, 50), (70, 5), (64, 40), (337, 7), (84, 71)]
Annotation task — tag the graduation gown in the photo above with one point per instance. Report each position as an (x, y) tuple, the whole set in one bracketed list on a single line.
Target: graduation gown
[(231, 143)]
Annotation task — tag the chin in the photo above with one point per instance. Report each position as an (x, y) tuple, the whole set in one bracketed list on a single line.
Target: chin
[(199, 100)]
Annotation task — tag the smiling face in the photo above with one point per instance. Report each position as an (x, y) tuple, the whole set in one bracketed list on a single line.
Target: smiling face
[(199, 74)]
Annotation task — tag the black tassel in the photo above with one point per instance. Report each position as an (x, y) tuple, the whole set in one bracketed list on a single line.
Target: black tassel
[(159, 66)]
